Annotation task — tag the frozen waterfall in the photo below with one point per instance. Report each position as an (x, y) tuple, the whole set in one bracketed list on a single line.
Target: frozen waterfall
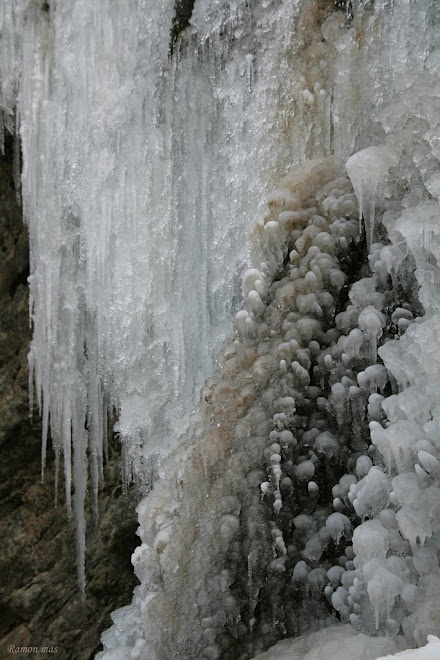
[(304, 487)]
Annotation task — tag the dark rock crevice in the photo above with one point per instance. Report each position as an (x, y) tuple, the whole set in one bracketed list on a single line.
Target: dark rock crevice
[(182, 14)]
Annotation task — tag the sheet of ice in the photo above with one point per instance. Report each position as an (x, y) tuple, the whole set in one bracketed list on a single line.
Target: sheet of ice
[(340, 642), (429, 652), (337, 641)]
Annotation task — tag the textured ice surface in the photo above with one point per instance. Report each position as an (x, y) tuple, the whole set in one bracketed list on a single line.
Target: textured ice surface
[(429, 652), (339, 642), (343, 643), (278, 433), (142, 175), (243, 526)]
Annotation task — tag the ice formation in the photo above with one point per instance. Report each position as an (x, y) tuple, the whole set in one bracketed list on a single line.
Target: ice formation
[(342, 642), (336, 641), (306, 487), (268, 555), (139, 203)]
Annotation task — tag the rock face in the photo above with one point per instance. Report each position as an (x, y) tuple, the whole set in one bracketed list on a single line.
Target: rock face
[(39, 599)]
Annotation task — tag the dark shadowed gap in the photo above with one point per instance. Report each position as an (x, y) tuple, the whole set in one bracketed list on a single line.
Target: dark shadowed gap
[(182, 14)]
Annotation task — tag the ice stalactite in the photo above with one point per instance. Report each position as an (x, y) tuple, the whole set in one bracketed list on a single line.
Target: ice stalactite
[(367, 170)]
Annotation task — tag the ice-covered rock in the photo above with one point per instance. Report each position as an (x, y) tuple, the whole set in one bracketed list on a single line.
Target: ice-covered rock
[(336, 641), (308, 476)]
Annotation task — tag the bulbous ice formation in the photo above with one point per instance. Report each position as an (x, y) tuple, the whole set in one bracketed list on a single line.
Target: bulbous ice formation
[(251, 530), (321, 430), (219, 531)]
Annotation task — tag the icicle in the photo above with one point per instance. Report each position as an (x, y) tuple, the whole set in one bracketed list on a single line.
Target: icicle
[(367, 170), (44, 436), (66, 443), (57, 473), (80, 485)]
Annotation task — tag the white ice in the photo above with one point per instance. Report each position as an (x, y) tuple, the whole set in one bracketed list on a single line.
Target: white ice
[(142, 177)]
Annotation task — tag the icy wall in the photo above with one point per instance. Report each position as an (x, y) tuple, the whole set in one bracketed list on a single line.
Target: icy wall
[(146, 157), (141, 176), (307, 485)]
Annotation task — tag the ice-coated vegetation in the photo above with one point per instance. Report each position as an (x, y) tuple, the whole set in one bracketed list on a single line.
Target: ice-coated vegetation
[(306, 487)]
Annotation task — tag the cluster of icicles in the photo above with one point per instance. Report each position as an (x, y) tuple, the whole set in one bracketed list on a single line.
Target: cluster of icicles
[(278, 512)]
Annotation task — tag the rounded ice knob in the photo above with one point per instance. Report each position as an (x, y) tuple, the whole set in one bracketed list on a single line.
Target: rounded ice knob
[(313, 488), (338, 525), (372, 322)]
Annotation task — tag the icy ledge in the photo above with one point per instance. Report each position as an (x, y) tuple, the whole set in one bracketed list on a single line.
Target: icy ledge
[(429, 652), (341, 642)]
